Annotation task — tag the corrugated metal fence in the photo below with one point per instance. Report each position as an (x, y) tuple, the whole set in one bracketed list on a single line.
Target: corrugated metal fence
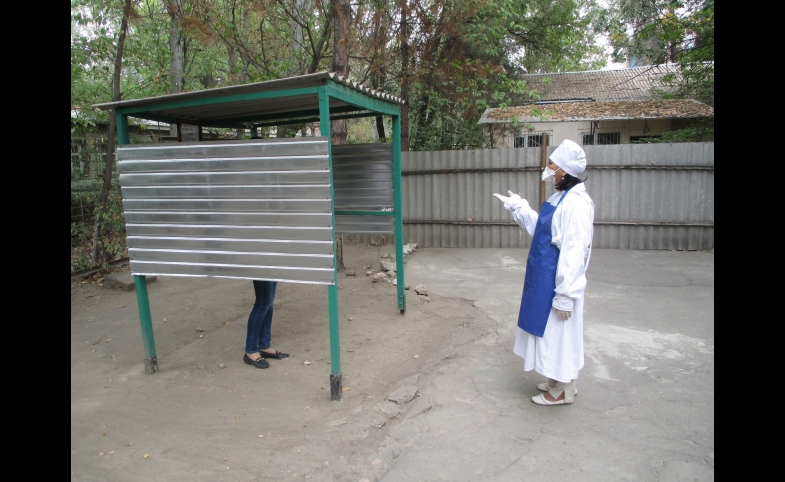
[(646, 196)]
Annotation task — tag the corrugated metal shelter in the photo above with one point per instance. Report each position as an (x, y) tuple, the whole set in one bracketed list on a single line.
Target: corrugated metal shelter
[(266, 209)]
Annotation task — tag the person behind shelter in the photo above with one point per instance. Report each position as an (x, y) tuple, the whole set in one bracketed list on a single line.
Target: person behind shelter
[(550, 322), (260, 322)]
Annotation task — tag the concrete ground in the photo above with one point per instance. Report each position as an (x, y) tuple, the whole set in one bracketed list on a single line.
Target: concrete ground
[(644, 412), (645, 409)]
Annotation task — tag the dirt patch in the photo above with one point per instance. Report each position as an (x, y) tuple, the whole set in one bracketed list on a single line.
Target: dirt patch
[(208, 416)]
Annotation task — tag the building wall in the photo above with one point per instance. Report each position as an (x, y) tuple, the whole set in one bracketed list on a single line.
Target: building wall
[(504, 134)]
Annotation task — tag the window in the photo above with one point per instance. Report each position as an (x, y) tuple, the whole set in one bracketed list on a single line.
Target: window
[(76, 157), (528, 140), (603, 138)]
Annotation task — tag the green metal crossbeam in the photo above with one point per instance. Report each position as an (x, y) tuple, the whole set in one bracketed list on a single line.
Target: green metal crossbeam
[(286, 118), (157, 118), (361, 100), (311, 119)]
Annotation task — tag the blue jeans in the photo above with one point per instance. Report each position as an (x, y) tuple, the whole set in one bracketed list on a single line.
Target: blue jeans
[(260, 321)]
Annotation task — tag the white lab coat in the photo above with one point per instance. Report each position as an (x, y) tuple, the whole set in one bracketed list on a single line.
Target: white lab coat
[(558, 354)]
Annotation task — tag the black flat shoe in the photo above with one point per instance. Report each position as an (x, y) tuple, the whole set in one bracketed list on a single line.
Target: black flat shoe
[(258, 363), (276, 356)]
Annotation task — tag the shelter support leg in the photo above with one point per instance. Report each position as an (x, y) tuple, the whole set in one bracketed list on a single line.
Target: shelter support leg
[(399, 267), (336, 378), (398, 208), (146, 320)]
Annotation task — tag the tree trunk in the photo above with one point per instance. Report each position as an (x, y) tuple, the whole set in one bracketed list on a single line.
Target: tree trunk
[(175, 47), (342, 13), (376, 84), (110, 144), (232, 59), (380, 128), (404, 42)]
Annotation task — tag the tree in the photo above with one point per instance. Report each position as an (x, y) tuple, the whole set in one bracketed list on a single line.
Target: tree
[(461, 57), (679, 32), (104, 15), (342, 13), (667, 31)]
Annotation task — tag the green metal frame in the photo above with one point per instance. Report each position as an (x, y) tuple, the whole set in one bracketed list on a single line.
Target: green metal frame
[(312, 119), (367, 106)]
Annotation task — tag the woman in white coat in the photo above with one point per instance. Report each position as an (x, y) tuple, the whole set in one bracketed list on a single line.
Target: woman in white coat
[(550, 323)]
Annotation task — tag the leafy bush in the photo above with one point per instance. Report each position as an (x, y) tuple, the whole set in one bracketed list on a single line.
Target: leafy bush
[(111, 222)]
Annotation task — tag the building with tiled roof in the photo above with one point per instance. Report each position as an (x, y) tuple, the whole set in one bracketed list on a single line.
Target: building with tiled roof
[(593, 107)]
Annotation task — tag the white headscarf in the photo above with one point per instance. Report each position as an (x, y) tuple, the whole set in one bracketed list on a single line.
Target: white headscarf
[(570, 157)]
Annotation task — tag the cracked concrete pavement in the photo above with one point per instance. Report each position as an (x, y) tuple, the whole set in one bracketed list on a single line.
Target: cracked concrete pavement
[(644, 412), (645, 409)]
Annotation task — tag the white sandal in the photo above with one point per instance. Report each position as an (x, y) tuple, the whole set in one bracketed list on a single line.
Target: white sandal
[(541, 400), (567, 389)]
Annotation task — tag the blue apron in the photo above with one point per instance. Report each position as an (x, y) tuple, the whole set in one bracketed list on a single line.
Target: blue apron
[(539, 287)]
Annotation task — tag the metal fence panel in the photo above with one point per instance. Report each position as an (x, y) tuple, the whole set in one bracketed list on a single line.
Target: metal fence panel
[(646, 196), (253, 209), (363, 181)]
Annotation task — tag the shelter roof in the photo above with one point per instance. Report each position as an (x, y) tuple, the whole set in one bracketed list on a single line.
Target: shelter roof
[(637, 83), (591, 111), (251, 103)]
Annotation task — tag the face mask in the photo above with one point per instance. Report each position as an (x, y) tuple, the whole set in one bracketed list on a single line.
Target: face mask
[(548, 173)]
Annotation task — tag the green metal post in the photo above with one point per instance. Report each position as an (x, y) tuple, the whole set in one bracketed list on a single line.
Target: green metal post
[(398, 208), (142, 300), (148, 340), (122, 128), (336, 378)]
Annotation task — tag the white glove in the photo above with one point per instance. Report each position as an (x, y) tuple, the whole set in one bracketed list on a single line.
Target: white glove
[(513, 202), (563, 315)]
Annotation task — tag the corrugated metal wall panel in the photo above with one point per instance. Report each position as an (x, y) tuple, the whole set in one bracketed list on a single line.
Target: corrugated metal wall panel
[(363, 167), (647, 196), (253, 209), (364, 225), (363, 181), (279, 151)]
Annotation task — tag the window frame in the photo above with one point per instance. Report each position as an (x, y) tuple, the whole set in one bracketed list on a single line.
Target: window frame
[(529, 138), (589, 135)]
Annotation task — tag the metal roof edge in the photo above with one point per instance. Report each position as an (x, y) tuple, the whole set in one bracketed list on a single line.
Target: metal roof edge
[(254, 87)]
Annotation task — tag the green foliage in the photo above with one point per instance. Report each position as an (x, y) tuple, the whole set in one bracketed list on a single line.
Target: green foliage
[(472, 53), (701, 130), (111, 221), (667, 31), (464, 56)]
